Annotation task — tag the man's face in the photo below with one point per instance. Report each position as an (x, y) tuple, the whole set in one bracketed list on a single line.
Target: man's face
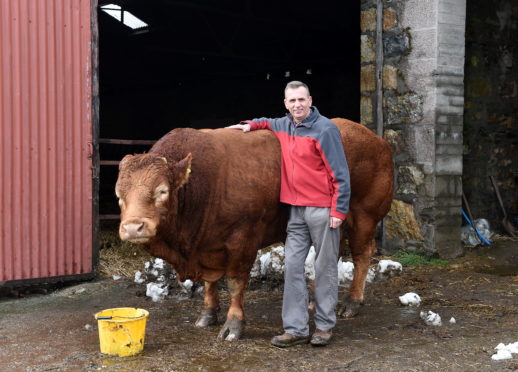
[(298, 102)]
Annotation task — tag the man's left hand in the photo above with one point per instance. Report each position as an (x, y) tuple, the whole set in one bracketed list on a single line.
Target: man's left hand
[(334, 222)]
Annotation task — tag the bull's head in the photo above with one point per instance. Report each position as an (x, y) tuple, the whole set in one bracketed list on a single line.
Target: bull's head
[(144, 188)]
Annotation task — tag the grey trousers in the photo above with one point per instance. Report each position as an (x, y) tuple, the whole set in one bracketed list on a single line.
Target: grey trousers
[(307, 226)]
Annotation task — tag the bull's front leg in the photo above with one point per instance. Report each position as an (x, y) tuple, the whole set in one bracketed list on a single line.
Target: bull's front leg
[(209, 314), (235, 324), (362, 245)]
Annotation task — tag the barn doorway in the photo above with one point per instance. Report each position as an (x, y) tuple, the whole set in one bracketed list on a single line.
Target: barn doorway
[(206, 64)]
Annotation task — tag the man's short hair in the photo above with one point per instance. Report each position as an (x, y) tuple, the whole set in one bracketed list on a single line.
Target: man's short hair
[(294, 85)]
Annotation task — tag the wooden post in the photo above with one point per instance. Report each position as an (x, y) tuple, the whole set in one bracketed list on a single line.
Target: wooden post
[(379, 68)]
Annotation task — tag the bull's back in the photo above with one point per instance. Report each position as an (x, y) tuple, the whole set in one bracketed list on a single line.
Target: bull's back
[(236, 173), (370, 165)]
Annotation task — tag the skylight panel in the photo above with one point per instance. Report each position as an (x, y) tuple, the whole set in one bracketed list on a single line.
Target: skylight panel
[(123, 16)]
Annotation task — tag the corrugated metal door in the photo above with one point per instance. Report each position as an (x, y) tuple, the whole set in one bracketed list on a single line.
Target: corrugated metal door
[(45, 139)]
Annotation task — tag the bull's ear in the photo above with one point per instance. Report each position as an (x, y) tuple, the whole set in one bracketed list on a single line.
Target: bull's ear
[(182, 170), (124, 161)]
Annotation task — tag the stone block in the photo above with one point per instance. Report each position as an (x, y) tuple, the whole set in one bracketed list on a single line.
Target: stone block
[(395, 44), (424, 44), (452, 18), (448, 164), (409, 178), (450, 59), (367, 4), (404, 109), (367, 79), (418, 75), (391, 246), (444, 100), (428, 232), (457, 91), (450, 70), (457, 101), (390, 77), (429, 185), (396, 140), (419, 14), (447, 241), (401, 222), (366, 110), (368, 20), (389, 19), (450, 110), (453, 7), (451, 35), (448, 81), (447, 187), (367, 49), (449, 120), (424, 140), (449, 149)]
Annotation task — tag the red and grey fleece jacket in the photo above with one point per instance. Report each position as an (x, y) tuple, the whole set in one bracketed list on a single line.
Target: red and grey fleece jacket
[(314, 171)]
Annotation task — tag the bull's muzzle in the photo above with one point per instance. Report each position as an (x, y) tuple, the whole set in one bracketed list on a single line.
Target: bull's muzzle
[(136, 231)]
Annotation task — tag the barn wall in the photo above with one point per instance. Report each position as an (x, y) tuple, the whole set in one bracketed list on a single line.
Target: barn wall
[(423, 69), (45, 139), (491, 109)]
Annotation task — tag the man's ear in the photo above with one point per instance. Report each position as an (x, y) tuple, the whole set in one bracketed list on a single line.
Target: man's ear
[(182, 170)]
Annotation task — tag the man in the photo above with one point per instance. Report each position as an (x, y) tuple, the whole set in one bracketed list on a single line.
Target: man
[(315, 182)]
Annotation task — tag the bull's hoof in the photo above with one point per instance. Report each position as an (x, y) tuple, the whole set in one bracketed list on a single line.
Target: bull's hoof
[(350, 307), (207, 317), (232, 330)]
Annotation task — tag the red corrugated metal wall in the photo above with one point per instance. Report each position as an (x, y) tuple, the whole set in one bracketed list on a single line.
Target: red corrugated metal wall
[(45, 138)]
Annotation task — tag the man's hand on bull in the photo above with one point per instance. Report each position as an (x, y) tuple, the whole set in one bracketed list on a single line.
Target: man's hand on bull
[(243, 127), (334, 222)]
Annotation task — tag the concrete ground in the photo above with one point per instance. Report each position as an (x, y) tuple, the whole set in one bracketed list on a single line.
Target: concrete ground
[(57, 331)]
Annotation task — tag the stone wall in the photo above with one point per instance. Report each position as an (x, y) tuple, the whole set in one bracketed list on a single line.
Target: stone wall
[(423, 98), (491, 107)]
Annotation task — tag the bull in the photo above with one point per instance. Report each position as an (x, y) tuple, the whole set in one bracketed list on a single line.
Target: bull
[(207, 200)]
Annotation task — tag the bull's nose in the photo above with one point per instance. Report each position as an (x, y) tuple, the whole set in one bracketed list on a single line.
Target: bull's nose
[(132, 230)]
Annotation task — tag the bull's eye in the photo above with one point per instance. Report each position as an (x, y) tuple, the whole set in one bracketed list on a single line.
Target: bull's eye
[(161, 193)]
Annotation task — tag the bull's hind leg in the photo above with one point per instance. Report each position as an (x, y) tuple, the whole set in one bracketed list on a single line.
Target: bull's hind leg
[(209, 314), (362, 246), (235, 324)]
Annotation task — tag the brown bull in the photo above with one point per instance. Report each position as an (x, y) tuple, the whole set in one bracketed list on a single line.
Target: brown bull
[(207, 200)]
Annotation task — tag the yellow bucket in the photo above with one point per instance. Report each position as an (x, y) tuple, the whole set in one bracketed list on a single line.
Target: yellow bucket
[(122, 330)]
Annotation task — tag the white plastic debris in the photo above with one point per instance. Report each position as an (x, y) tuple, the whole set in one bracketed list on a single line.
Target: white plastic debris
[(372, 274), (470, 237), (138, 277), (505, 351), (88, 327), (159, 264), (116, 277), (309, 265), (187, 285), (410, 299), (277, 259), (431, 318), (388, 269), (452, 320), (345, 271), (265, 260), (156, 291)]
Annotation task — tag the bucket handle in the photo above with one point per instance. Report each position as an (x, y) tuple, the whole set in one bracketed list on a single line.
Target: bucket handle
[(108, 317)]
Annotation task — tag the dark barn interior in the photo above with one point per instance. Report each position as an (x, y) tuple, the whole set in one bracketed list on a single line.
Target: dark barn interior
[(208, 64)]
